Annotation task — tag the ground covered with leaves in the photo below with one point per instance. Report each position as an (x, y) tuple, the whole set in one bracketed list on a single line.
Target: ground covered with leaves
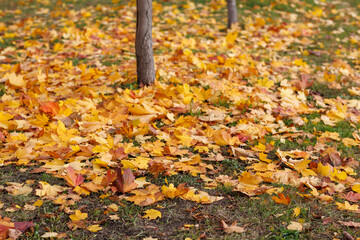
[(248, 133)]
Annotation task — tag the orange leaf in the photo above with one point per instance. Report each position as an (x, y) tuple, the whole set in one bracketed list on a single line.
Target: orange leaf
[(222, 138), (51, 108), (281, 199), (109, 178), (147, 196), (4, 232)]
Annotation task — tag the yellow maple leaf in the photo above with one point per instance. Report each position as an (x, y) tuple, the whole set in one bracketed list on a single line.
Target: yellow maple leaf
[(231, 37), (299, 62), (78, 216), (324, 170), (349, 142), (329, 77), (347, 206), (296, 211), (169, 191), (16, 189), (58, 47), (247, 178), (99, 162), (152, 214), (48, 190), (317, 12), (201, 149), (172, 192), (223, 138), (331, 135), (15, 80), (41, 120), (4, 119), (81, 191), (139, 110), (141, 182), (113, 207), (183, 137), (200, 196), (356, 188), (265, 82), (38, 203), (302, 167), (94, 228), (263, 157), (338, 175), (338, 114)]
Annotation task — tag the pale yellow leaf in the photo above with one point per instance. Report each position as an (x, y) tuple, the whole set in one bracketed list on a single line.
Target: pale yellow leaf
[(94, 228)]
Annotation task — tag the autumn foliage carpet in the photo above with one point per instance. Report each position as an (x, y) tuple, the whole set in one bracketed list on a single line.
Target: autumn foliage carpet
[(251, 132)]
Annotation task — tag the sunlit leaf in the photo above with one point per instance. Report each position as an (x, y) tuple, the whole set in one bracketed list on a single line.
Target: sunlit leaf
[(152, 214), (78, 216)]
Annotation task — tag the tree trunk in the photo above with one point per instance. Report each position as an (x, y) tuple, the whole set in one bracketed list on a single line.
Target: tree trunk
[(232, 12), (143, 43)]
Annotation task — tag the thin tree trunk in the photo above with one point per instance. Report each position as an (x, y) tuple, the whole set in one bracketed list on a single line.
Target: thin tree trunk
[(232, 12), (143, 43)]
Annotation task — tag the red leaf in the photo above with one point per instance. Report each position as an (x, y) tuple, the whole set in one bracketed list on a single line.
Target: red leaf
[(72, 178), (124, 181), (23, 226), (120, 153), (242, 137), (109, 178), (304, 82), (353, 197), (2, 137), (128, 180)]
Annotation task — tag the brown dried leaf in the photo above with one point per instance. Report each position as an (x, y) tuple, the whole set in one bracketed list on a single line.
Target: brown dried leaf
[(232, 228)]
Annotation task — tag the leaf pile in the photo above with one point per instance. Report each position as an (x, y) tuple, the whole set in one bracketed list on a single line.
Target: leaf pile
[(70, 107)]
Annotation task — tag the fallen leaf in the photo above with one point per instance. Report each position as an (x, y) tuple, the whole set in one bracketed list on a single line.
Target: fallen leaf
[(94, 228), (124, 182), (15, 80), (172, 192), (350, 224), (295, 226), (347, 206), (352, 197), (232, 228), (50, 235), (78, 216), (152, 214), (72, 178), (147, 196), (296, 211), (282, 199), (48, 190)]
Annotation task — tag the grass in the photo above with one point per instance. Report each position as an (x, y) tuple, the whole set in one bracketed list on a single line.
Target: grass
[(344, 128)]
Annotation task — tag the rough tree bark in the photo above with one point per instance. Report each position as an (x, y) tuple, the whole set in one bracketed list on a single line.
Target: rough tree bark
[(232, 12), (143, 43)]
